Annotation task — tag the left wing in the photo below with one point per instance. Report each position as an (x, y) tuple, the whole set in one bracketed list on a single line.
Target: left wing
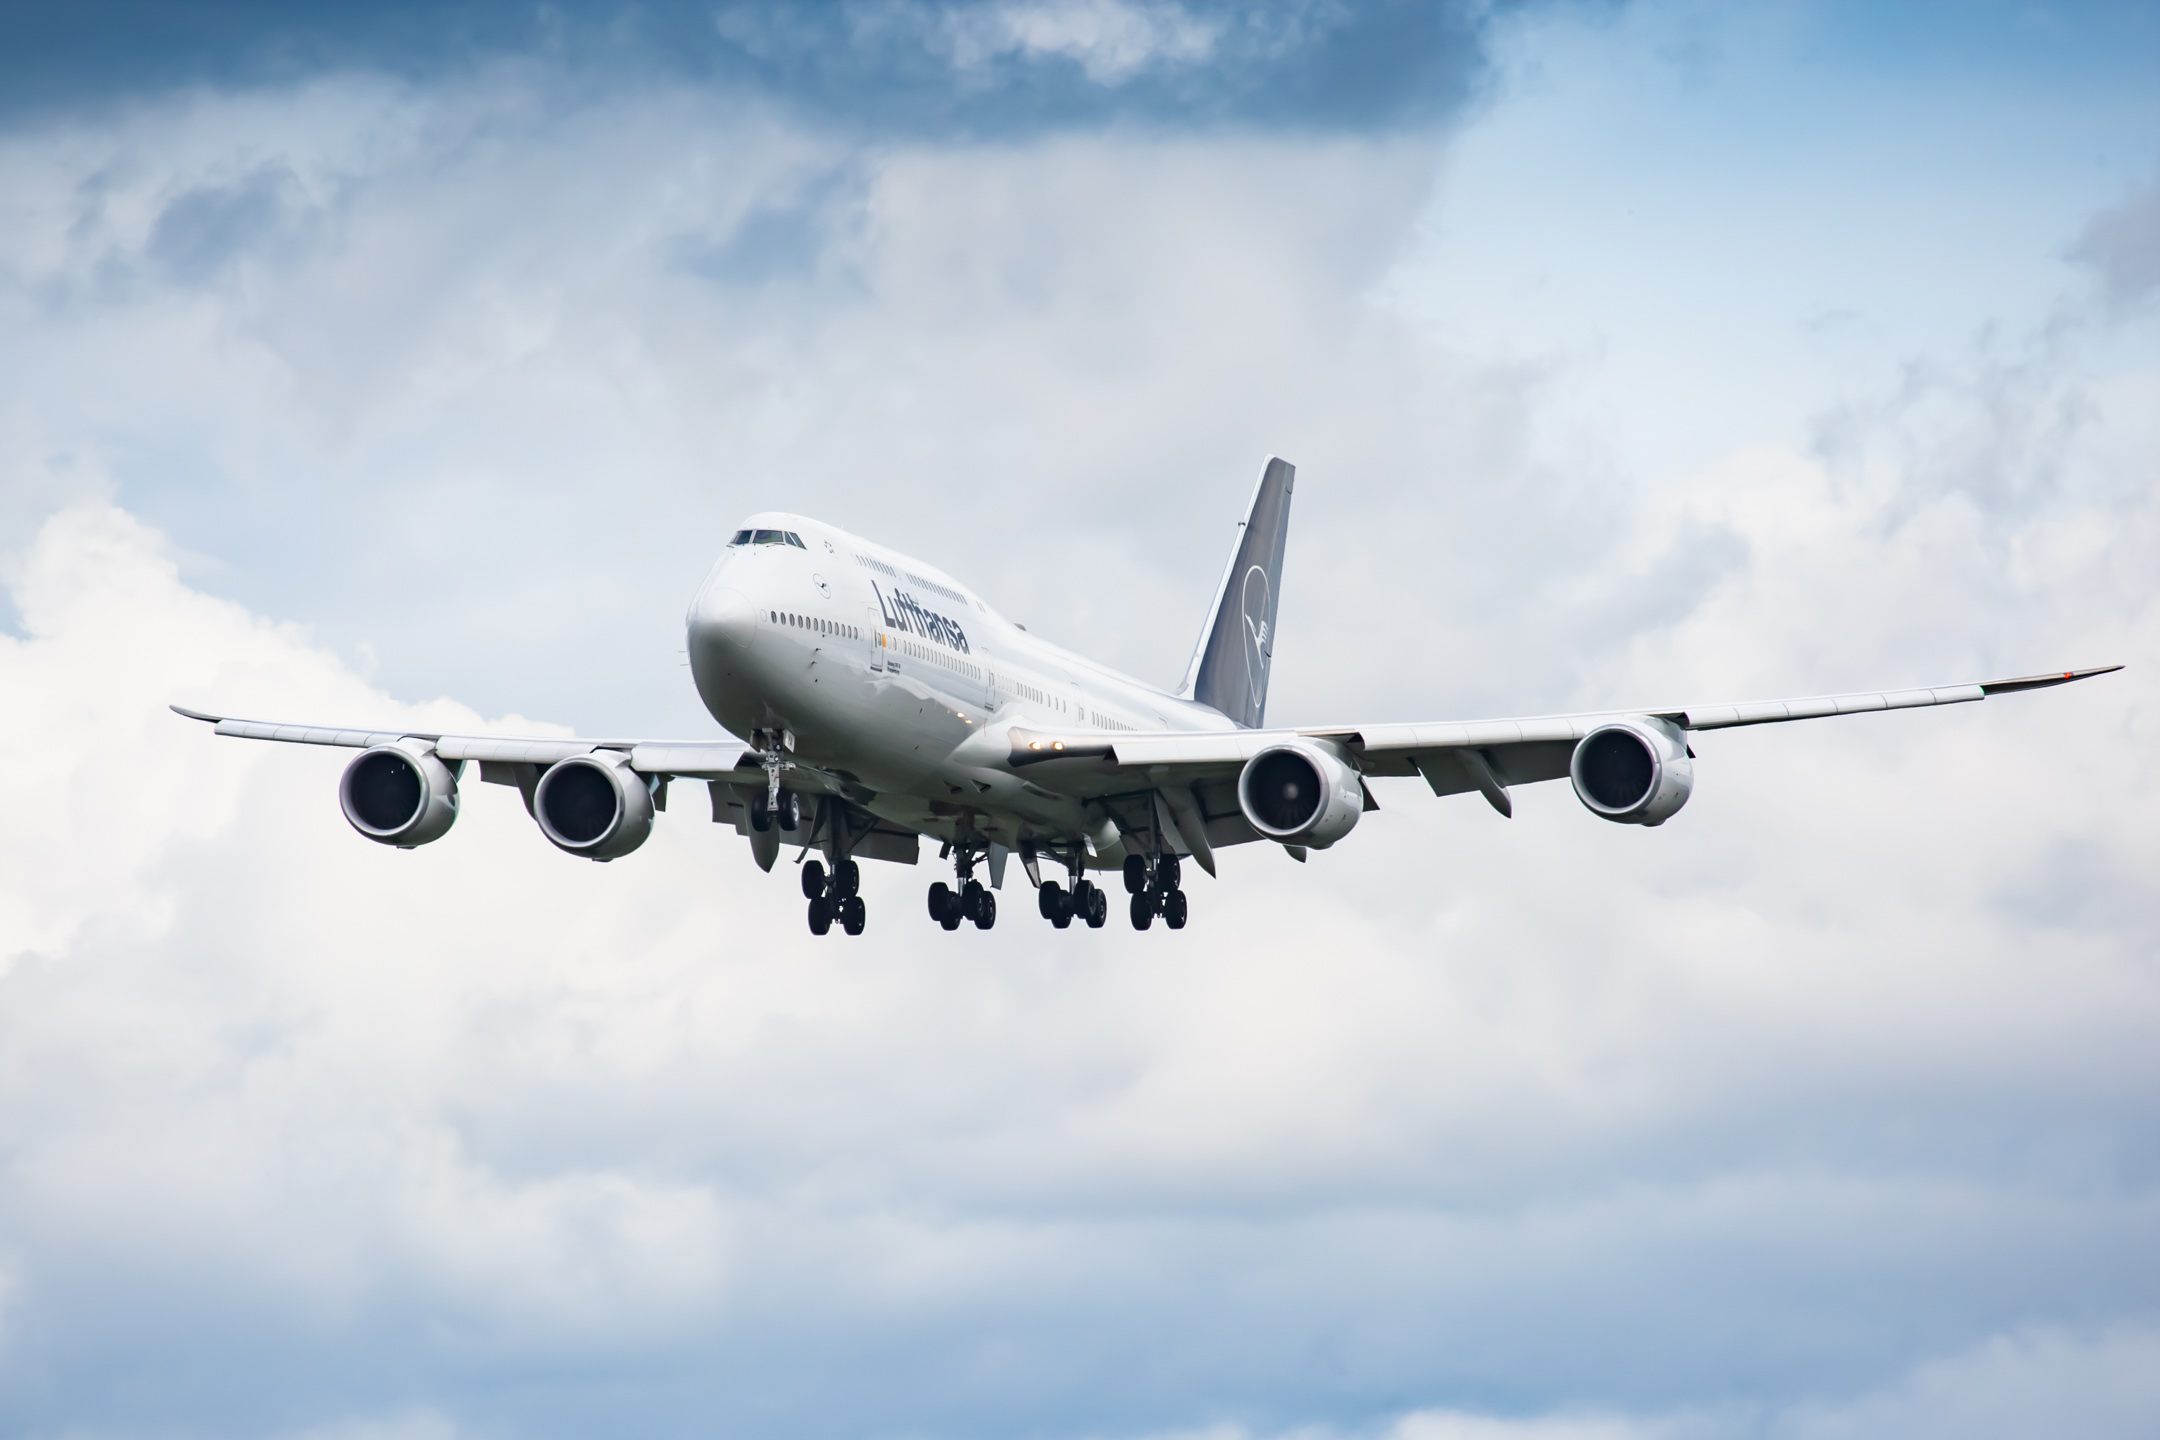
[(1193, 776)]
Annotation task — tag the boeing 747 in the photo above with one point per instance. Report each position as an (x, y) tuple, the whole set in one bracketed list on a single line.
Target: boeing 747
[(880, 701)]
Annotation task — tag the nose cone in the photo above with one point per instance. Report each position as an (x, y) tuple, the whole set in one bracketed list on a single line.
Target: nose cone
[(723, 621)]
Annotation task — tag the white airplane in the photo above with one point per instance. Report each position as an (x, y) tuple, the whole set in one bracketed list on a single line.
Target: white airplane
[(881, 701)]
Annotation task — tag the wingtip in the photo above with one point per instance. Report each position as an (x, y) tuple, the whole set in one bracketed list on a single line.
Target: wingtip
[(2041, 682), (194, 714)]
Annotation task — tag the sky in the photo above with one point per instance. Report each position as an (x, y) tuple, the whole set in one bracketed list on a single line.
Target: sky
[(400, 364)]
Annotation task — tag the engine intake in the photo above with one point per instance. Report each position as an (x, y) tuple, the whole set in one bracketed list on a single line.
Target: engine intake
[(1633, 772), (594, 805), (1300, 794), (399, 794)]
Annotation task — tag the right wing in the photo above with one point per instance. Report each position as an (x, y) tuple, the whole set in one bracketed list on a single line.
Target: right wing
[(691, 759)]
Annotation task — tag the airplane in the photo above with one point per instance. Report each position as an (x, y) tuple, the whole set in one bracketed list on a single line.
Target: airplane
[(880, 701)]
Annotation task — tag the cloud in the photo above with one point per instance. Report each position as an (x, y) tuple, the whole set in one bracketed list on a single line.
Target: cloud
[(886, 66), (2122, 245), (1825, 1105)]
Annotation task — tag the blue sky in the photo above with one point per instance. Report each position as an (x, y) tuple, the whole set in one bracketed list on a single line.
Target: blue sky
[(375, 361)]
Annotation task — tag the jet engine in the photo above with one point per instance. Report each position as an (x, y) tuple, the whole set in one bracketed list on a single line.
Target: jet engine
[(399, 794), (1300, 794), (594, 805), (1636, 771)]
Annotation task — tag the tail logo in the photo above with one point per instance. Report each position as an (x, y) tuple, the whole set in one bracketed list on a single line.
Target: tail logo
[(1255, 602)]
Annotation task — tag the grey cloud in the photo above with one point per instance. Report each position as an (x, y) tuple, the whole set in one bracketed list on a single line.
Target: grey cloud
[(893, 66), (2122, 246), (203, 232)]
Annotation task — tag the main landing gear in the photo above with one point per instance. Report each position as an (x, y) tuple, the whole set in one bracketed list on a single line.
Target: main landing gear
[(972, 901), (833, 897), (1084, 900), (1154, 890)]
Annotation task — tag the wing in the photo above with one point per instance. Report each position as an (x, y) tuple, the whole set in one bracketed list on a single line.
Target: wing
[(1193, 776), (690, 759)]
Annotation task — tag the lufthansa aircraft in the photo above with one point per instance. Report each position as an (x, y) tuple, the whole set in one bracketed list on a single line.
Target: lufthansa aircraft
[(880, 701)]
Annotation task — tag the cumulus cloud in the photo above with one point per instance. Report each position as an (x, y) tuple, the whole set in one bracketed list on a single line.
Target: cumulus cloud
[(1811, 1112)]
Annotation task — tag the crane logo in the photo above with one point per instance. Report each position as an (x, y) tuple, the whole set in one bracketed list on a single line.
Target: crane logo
[(1255, 602)]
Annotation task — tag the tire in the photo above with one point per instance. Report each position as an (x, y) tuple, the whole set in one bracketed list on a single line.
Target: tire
[(1143, 911), (1173, 910), (847, 876), (972, 895), (1135, 872), (790, 811), (852, 915), (1098, 908), (760, 812), (1166, 873), (813, 880), (1050, 900), (942, 903), (986, 911), (951, 920), (820, 915)]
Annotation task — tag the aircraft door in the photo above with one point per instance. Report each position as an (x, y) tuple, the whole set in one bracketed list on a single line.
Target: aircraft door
[(874, 656)]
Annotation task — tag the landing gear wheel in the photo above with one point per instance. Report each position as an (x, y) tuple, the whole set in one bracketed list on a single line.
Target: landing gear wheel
[(852, 915), (971, 898), (847, 878), (813, 880), (985, 910), (944, 906), (1050, 900), (1173, 910), (760, 812), (1135, 872), (1166, 874), (790, 812), (1098, 908), (1143, 911), (820, 915)]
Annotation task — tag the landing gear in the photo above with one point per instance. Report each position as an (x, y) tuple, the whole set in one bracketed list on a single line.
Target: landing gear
[(944, 906), (972, 901), (1095, 907), (832, 897), (1057, 907), (1157, 893), (787, 809)]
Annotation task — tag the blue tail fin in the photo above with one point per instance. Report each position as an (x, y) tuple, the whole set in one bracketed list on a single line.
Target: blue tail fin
[(1229, 669)]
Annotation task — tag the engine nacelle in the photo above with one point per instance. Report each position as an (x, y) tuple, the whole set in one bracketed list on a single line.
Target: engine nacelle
[(399, 794), (1635, 771), (594, 805), (1300, 794)]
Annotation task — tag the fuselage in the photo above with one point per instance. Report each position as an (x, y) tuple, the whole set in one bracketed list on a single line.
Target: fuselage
[(880, 669)]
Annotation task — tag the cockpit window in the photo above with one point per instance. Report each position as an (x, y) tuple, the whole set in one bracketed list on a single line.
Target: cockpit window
[(769, 537), (742, 537), (796, 541)]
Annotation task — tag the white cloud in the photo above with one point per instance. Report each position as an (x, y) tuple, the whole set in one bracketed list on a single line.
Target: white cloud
[(1844, 1071), (1111, 41)]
